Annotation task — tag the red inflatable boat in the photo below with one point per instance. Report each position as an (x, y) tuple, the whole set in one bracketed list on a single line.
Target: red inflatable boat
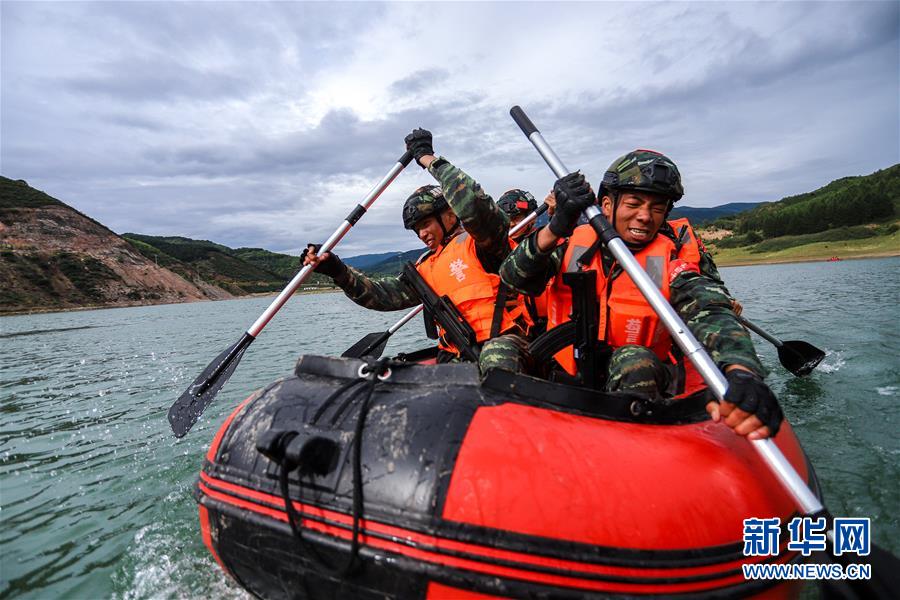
[(428, 482)]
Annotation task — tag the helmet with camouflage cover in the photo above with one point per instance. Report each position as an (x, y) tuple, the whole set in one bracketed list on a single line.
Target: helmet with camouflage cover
[(426, 201), (645, 171), (517, 202)]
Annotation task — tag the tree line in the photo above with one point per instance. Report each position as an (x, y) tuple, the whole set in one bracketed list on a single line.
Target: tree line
[(842, 203)]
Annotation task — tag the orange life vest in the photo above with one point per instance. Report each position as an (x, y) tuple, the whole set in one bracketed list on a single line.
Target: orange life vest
[(625, 316), (454, 270), (540, 303)]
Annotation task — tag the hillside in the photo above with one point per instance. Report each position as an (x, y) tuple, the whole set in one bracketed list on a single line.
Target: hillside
[(847, 209), (54, 257), (241, 271), (844, 202)]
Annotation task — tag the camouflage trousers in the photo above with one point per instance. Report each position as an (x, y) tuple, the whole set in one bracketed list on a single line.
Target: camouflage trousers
[(508, 351), (637, 369)]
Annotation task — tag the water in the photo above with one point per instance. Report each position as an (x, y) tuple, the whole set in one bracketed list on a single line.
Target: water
[(95, 493)]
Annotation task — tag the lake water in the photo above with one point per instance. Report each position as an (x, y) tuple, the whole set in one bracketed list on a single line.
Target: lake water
[(95, 493)]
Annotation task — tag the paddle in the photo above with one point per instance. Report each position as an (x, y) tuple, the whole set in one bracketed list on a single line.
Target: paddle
[(200, 394), (797, 356), (372, 344), (884, 573)]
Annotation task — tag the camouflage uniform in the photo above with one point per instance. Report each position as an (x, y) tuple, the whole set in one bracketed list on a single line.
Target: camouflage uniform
[(700, 299), (488, 226)]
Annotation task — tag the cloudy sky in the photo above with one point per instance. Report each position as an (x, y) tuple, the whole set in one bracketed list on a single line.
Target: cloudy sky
[(257, 124)]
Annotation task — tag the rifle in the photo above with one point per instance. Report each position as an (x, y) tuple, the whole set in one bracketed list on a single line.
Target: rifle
[(456, 330), (591, 356)]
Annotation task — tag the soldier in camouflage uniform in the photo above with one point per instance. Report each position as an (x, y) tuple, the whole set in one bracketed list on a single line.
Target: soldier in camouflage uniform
[(637, 193), (438, 214)]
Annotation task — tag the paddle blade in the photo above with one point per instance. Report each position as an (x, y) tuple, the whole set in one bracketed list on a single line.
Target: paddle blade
[(200, 394), (799, 357), (371, 345)]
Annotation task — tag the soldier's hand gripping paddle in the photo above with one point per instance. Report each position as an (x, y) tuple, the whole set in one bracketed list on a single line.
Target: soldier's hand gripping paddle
[(797, 356), (200, 394), (372, 344), (886, 566)]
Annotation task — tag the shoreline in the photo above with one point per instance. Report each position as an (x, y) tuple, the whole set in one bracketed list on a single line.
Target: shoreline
[(49, 310), (751, 262), (725, 262)]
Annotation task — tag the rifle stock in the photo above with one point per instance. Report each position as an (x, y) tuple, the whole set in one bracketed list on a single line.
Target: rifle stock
[(456, 330)]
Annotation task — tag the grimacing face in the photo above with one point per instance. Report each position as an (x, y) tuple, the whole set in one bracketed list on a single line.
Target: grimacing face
[(639, 215)]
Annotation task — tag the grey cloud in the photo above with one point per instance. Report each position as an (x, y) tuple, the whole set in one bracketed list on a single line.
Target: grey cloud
[(341, 143), (418, 81), (135, 121), (762, 120), (146, 80)]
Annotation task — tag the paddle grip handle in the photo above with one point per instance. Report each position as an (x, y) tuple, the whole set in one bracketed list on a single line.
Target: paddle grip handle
[(406, 158), (522, 120)]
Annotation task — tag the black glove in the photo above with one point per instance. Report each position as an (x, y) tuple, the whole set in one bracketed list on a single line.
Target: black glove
[(573, 196), (750, 394), (419, 143), (331, 266)]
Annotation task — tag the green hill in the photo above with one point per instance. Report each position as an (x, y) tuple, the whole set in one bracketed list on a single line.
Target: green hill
[(18, 194), (283, 265), (844, 202), (241, 271), (850, 208)]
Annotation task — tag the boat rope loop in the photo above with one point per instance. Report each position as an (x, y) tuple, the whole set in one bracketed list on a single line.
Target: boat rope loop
[(371, 374)]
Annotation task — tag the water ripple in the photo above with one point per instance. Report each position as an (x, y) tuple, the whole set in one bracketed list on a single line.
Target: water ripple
[(97, 495)]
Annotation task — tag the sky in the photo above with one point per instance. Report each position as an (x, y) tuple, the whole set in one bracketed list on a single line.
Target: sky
[(263, 124)]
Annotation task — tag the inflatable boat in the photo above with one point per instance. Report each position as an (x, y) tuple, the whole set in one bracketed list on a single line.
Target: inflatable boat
[(355, 479)]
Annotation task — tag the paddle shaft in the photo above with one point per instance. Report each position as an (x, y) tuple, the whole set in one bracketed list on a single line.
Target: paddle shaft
[(354, 216), (689, 345), (330, 243), (528, 220), (768, 336)]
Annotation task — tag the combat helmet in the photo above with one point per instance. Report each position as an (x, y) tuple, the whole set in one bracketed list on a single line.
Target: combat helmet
[(517, 202), (645, 171), (426, 201)]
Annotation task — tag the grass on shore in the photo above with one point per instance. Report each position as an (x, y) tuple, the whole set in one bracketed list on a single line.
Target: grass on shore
[(882, 245)]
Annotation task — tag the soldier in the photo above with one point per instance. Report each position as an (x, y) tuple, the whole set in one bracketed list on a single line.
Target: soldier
[(518, 204), (637, 194), (466, 235)]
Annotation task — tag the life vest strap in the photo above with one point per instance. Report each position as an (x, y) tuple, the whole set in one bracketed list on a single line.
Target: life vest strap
[(499, 307)]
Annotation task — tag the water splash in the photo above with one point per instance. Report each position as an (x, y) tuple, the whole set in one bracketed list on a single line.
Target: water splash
[(161, 566), (833, 361), (888, 390)]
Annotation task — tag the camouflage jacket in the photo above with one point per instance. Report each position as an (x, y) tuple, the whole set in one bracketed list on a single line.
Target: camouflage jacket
[(478, 214), (700, 299)]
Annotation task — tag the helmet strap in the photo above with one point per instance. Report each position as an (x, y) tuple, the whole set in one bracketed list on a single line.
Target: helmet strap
[(446, 233), (614, 194)]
